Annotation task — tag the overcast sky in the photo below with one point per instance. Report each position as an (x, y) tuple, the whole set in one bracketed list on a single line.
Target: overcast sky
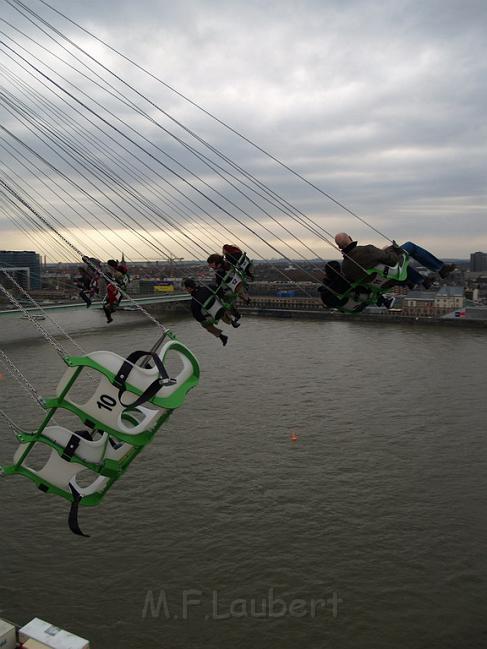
[(380, 104)]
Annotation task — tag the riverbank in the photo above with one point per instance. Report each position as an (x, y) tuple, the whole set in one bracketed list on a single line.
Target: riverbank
[(382, 318)]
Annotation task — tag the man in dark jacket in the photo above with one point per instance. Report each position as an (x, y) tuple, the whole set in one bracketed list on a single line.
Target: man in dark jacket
[(200, 295), (83, 282), (358, 259), (335, 284)]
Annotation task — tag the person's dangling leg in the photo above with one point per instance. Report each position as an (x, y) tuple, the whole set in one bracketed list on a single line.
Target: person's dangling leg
[(414, 277), (230, 318), (85, 298), (422, 256), (107, 308), (218, 333), (242, 293)]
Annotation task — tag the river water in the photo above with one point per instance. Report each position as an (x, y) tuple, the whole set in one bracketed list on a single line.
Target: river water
[(369, 531)]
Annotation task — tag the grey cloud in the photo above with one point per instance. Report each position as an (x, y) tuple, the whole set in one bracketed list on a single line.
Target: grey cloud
[(382, 105)]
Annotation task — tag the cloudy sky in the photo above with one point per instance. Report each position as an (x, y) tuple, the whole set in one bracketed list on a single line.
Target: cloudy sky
[(379, 104)]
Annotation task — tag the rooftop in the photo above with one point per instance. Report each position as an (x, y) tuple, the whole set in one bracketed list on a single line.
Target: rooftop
[(450, 291)]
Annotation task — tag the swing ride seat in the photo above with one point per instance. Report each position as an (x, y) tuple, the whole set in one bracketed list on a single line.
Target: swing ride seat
[(114, 412), (382, 274), (237, 274), (372, 286), (101, 406), (214, 308), (243, 266), (100, 459)]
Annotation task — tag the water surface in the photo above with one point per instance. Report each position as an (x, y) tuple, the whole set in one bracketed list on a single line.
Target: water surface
[(369, 531)]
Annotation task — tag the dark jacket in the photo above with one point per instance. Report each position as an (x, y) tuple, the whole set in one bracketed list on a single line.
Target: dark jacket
[(84, 281), (220, 274), (356, 258), (199, 296)]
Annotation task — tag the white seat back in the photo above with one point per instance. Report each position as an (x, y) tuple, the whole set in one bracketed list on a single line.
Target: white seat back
[(104, 405), (61, 472)]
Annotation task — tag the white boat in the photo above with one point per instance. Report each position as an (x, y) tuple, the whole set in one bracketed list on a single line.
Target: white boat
[(38, 634)]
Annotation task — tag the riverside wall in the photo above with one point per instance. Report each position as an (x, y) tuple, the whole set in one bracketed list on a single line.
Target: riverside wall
[(310, 310), (376, 318)]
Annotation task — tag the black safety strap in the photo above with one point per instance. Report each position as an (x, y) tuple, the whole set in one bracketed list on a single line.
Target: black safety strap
[(73, 513), (243, 263), (114, 444), (208, 303), (70, 448), (74, 442), (121, 378)]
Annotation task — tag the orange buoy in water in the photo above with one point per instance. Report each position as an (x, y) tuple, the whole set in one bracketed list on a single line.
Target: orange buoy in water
[(294, 437)]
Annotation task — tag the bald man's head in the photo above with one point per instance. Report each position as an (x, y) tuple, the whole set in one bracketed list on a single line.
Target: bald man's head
[(342, 239)]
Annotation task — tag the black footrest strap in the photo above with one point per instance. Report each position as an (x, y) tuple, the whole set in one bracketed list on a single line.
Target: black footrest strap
[(73, 513), (127, 366)]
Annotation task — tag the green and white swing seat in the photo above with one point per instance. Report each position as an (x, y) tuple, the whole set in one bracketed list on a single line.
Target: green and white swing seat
[(236, 275), (114, 412), (233, 278), (368, 290), (214, 307), (243, 266)]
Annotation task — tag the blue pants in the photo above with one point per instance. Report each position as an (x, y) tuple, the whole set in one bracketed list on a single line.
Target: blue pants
[(423, 257)]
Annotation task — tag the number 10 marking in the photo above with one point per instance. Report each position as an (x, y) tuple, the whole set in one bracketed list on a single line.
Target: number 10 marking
[(107, 402)]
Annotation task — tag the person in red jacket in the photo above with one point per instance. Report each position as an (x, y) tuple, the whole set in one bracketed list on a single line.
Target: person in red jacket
[(112, 300)]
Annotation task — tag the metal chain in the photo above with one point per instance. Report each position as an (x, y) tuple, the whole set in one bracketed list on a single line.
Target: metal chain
[(38, 306), (20, 378), (73, 247), (62, 352), (26, 385), (10, 422)]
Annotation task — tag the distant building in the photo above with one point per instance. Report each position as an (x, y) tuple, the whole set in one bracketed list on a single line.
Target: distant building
[(420, 303), (429, 303), (450, 298), (478, 262), (10, 276), (472, 294), (23, 259)]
